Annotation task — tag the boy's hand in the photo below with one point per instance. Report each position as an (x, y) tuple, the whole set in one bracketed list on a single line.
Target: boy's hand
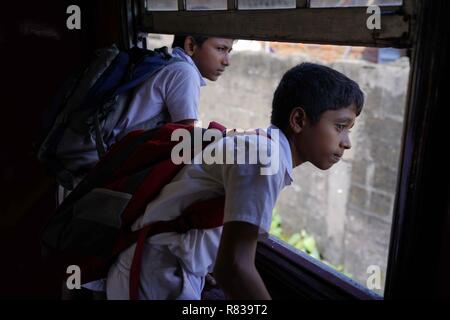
[(211, 291), (210, 281)]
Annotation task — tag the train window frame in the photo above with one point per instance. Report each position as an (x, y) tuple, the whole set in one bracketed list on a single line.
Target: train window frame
[(302, 24), (291, 274)]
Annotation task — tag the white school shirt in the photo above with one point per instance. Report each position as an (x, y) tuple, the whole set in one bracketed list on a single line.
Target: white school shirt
[(174, 265), (175, 88)]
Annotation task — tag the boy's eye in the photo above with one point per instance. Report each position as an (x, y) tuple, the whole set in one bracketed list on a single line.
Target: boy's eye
[(340, 127)]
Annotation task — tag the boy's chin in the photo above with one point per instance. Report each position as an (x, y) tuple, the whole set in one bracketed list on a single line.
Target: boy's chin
[(324, 166), (212, 78)]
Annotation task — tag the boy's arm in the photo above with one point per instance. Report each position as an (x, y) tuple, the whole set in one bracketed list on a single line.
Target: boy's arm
[(235, 269), (182, 92)]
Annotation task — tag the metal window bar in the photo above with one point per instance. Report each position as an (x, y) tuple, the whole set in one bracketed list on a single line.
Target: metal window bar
[(181, 5), (232, 5)]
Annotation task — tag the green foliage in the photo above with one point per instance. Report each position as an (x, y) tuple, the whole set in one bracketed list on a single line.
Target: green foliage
[(302, 241)]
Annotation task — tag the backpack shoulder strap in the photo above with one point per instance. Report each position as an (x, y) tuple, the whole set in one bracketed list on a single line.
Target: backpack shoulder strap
[(200, 215), (140, 65)]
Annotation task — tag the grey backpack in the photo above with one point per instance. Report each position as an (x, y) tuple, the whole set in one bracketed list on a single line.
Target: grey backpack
[(80, 124)]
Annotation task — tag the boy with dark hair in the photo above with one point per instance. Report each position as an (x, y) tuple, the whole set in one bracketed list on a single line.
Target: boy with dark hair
[(174, 92), (176, 88), (314, 108)]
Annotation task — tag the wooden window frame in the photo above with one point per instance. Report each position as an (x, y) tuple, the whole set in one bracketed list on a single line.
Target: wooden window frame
[(414, 25), (302, 24)]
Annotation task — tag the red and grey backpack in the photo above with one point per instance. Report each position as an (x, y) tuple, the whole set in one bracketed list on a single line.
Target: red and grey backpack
[(93, 224)]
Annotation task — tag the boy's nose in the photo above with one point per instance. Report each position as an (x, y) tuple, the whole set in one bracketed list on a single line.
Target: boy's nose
[(226, 60), (345, 143)]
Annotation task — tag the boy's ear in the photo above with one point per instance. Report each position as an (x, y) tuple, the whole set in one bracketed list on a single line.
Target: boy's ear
[(297, 119), (189, 46)]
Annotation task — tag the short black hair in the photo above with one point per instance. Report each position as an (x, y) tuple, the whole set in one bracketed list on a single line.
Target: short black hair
[(316, 88), (179, 39)]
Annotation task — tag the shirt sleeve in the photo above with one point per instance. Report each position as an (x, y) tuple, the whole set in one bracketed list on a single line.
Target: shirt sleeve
[(182, 92), (249, 195)]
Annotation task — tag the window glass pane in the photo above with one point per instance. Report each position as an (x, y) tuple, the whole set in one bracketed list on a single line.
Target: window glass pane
[(162, 5), (206, 4), (155, 40), (353, 3), (341, 216), (266, 4)]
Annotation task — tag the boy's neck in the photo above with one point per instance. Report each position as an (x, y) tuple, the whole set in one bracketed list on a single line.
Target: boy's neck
[(295, 154), (295, 159)]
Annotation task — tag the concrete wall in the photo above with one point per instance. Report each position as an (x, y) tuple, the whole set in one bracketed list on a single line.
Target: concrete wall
[(348, 209)]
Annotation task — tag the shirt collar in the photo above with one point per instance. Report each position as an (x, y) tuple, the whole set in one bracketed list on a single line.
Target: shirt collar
[(180, 53), (285, 150)]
